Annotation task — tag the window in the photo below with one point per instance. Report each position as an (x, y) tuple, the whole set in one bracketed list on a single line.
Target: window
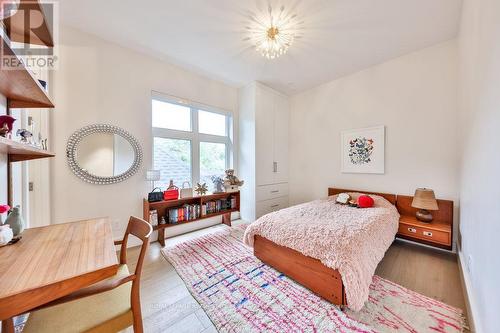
[(191, 143)]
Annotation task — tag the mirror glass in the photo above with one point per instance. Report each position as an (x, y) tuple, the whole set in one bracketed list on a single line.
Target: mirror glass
[(105, 154)]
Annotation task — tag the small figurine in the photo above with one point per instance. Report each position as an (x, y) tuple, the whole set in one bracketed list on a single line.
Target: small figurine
[(218, 183), (6, 123), (26, 136), (201, 189)]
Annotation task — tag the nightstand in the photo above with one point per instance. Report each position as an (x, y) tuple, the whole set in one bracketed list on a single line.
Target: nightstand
[(438, 233), (434, 233)]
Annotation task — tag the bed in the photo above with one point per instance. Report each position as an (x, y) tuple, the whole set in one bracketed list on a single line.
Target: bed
[(299, 241)]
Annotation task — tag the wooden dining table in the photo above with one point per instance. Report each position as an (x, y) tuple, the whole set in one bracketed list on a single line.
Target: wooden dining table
[(52, 262)]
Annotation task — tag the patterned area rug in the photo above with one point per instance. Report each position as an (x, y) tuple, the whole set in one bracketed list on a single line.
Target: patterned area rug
[(241, 294)]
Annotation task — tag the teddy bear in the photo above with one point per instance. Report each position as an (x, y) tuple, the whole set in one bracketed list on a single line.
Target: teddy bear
[(231, 179)]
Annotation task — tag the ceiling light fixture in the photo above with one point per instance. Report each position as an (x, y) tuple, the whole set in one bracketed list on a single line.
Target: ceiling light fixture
[(273, 34)]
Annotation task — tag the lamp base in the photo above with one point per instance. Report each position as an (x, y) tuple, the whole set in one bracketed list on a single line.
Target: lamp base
[(424, 215)]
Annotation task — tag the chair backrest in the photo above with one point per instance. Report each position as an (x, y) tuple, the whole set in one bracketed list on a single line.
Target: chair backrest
[(142, 230)]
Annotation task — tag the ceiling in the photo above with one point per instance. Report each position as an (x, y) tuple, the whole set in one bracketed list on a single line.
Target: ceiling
[(339, 37)]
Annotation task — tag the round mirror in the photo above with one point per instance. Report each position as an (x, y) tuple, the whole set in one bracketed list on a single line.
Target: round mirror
[(103, 154)]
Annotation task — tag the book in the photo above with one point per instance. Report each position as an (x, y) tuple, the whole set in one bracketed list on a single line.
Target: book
[(153, 217)]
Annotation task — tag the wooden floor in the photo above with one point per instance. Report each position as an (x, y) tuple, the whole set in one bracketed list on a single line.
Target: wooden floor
[(168, 307)]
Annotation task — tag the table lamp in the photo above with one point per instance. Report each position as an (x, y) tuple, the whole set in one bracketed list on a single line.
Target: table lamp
[(153, 176), (425, 201)]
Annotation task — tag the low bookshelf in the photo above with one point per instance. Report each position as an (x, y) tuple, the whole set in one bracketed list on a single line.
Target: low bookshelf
[(171, 210)]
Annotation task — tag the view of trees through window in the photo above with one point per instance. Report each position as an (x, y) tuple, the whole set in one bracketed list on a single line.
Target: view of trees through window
[(212, 162), (187, 151), (173, 158)]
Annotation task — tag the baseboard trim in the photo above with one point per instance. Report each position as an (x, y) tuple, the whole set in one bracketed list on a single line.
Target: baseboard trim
[(470, 303)]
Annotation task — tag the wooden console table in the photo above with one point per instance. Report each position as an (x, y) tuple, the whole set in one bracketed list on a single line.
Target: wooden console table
[(162, 208), (52, 262)]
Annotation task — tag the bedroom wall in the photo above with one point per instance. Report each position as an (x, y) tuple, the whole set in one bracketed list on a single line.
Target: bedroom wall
[(3, 161), (414, 96), (479, 68), (101, 82)]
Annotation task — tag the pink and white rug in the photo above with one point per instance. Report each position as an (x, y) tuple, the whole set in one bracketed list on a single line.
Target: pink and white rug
[(241, 294)]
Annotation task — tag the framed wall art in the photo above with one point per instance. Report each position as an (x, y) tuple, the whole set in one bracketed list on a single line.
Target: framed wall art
[(363, 150)]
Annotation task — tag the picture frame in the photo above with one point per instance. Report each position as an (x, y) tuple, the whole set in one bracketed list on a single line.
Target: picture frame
[(363, 150)]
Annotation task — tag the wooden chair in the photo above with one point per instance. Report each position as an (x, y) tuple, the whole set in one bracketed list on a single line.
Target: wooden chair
[(108, 306)]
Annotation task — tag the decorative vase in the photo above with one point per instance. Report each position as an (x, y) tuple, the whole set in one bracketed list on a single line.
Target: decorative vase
[(15, 220), (6, 235)]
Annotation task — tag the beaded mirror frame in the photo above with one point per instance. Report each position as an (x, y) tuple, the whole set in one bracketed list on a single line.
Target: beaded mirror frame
[(76, 137)]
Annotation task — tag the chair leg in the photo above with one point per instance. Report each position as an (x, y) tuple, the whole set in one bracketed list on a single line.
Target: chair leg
[(8, 325), (136, 309)]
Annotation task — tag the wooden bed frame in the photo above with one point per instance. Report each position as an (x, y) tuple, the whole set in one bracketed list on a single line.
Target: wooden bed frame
[(309, 272)]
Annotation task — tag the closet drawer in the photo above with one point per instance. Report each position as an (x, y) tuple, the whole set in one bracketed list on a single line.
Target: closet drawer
[(267, 192), (431, 235), (272, 205)]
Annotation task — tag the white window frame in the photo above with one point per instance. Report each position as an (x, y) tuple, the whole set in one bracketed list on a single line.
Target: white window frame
[(194, 136)]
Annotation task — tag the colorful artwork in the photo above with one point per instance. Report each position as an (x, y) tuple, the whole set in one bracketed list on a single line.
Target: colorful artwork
[(363, 150), (360, 150)]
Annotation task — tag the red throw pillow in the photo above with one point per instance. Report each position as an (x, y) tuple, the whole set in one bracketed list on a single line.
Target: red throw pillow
[(365, 201)]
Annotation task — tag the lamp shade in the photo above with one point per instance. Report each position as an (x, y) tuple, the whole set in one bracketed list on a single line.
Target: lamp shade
[(153, 175), (424, 198)]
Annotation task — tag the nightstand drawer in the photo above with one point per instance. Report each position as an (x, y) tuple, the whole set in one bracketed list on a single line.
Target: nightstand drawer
[(436, 236)]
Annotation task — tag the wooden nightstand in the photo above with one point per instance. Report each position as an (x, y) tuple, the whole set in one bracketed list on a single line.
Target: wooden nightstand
[(438, 233)]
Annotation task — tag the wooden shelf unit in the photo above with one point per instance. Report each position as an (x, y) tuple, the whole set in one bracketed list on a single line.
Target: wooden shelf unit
[(15, 25), (163, 206), (18, 152), (19, 85)]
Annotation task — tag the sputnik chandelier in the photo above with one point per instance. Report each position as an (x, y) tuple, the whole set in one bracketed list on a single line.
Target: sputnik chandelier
[(273, 33)]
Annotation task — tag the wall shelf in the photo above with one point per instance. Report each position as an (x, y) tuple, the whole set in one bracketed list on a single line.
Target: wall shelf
[(18, 152), (18, 85), (15, 25)]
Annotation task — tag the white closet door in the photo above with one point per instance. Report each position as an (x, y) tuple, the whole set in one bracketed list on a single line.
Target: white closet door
[(281, 121), (264, 138)]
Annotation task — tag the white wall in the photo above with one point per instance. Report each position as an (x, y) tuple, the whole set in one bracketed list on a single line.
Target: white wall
[(3, 161), (479, 64), (100, 82), (414, 96)]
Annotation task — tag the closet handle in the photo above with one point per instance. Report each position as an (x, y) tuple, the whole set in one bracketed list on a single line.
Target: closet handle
[(275, 166)]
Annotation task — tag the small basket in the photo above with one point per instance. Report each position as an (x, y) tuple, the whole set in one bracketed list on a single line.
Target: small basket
[(172, 193), (186, 192), (155, 196)]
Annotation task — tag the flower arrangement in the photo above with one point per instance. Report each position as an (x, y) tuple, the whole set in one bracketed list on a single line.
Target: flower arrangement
[(3, 209)]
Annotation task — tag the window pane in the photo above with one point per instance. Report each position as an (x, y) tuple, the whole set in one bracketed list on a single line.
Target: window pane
[(171, 116), (211, 123), (173, 158), (212, 162)]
